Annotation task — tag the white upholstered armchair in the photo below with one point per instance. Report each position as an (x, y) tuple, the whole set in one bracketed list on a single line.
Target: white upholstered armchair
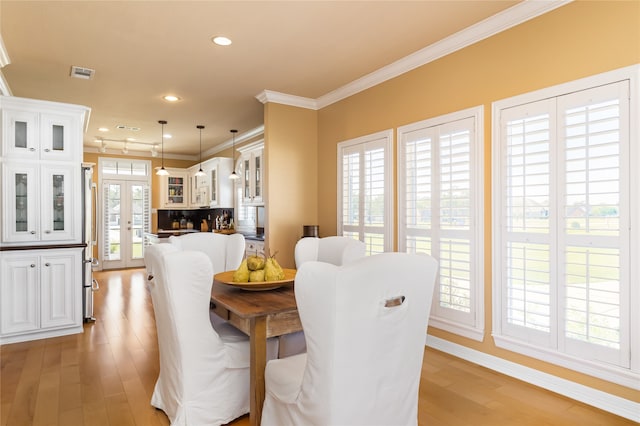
[(365, 325), (204, 373), (336, 250), (224, 251)]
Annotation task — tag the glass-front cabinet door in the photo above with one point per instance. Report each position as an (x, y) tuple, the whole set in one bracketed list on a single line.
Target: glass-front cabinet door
[(20, 202), (29, 135), (213, 190), (175, 189), (257, 176), (56, 137), (252, 171), (57, 207), (39, 203), (20, 138)]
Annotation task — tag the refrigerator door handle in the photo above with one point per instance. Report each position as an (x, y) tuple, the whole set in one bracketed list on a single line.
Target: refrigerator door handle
[(94, 219), (94, 285)]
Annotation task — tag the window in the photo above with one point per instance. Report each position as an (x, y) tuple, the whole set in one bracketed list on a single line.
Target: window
[(564, 275), (365, 195), (124, 167), (440, 189)]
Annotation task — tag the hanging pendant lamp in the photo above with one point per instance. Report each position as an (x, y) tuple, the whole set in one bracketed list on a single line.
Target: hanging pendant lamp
[(162, 171), (234, 175), (200, 172)]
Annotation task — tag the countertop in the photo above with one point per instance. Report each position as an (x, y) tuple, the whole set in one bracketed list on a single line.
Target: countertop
[(164, 233)]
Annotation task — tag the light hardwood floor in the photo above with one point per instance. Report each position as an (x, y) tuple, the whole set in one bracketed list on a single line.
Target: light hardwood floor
[(106, 375)]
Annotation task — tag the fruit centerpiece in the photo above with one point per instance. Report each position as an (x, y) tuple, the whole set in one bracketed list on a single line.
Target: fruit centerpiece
[(256, 268)]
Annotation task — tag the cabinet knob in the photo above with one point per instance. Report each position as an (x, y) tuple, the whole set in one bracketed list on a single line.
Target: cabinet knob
[(33, 265), (47, 232), (32, 232), (47, 264), (32, 149), (47, 150)]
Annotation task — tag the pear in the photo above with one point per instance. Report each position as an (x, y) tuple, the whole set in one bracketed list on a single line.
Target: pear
[(241, 275), (255, 262), (256, 276), (272, 270)]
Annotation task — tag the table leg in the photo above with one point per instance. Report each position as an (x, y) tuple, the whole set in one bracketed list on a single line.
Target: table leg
[(258, 362)]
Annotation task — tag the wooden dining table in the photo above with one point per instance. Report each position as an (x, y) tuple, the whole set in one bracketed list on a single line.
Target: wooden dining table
[(260, 315)]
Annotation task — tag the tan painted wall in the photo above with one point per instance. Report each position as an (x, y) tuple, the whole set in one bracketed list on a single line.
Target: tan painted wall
[(574, 41), (291, 184)]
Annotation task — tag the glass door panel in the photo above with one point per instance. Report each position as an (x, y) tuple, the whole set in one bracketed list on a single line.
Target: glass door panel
[(126, 219), (58, 202), (20, 137), (57, 137), (22, 202), (138, 219)]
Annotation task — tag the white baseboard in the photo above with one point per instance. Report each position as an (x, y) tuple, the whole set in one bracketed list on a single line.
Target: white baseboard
[(602, 400)]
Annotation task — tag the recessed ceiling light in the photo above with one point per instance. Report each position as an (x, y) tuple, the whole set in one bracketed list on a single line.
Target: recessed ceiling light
[(103, 129), (171, 98), (221, 40), (131, 139), (167, 135)]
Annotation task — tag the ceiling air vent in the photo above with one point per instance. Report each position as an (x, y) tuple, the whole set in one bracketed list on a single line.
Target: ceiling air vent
[(81, 72)]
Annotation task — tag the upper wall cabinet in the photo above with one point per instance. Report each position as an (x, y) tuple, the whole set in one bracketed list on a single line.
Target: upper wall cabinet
[(218, 170), (174, 189), (39, 130), (41, 154), (251, 172)]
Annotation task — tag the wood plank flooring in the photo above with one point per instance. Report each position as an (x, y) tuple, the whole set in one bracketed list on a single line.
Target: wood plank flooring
[(106, 376)]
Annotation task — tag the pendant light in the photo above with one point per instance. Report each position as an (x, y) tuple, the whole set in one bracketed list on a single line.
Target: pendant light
[(200, 172), (234, 175), (162, 171)]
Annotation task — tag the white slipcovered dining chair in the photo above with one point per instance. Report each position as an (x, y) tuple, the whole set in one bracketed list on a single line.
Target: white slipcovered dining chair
[(224, 251), (365, 324), (337, 250), (204, 373)]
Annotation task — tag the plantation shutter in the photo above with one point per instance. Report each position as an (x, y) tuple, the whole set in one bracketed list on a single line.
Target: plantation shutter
[(564, 235), (436, 199), (365, 196)]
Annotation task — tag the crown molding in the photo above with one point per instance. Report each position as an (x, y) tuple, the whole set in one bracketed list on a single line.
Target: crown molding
[(4, 55), (495, 24), (241, 138), (283, 98), (5, 90)]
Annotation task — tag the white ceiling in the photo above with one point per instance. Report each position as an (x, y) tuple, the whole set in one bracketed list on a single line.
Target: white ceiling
[(142, 50)]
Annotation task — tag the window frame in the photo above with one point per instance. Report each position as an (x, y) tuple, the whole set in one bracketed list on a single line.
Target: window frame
[(385, 138), (629, 377), (470, 325)]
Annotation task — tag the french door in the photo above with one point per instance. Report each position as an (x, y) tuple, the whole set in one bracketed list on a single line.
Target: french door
[(126, 217)]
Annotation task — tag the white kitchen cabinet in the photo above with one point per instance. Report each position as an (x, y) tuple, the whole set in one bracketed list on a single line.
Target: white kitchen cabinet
[(174, 189), (252, 172), (218, 170), (40, 202), (40, 130), (40, 294), (199, 188)]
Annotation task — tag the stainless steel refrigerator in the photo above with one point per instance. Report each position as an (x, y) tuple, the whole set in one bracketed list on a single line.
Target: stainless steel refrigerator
[(89, 237)]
